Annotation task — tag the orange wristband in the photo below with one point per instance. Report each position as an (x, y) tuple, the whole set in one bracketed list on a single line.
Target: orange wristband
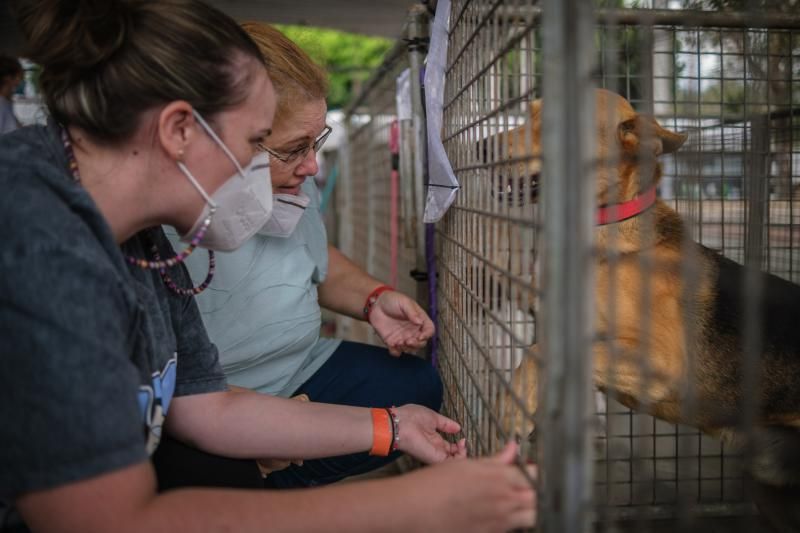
[(381, 433)]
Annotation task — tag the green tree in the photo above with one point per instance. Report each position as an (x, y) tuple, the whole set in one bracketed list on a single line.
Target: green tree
[(349, 58), (622, 61), (766, 60)]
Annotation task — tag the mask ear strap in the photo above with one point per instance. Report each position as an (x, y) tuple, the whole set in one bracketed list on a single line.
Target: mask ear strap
[(196, 185), (221, 144)]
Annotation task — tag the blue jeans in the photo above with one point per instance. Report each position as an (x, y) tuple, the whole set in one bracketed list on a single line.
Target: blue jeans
[(366, 376)]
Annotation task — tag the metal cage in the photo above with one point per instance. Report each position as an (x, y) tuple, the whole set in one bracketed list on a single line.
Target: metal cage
[(381, 194), (514, 265)]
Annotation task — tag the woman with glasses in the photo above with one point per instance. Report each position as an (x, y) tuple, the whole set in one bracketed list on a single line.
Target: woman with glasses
[(263, 308)]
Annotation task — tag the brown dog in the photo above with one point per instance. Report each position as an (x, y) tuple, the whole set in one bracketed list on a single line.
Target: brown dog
[(701, 318)]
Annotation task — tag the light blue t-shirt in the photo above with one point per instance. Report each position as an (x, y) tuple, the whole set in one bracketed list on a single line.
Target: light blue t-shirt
[(261, 309)]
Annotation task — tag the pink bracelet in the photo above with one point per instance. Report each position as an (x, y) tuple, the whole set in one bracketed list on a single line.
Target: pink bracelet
[(395, 427)]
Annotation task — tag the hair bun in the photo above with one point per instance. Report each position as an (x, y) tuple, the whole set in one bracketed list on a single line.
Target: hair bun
[(73, 35)]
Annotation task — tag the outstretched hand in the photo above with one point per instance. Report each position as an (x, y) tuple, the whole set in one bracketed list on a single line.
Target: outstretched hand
[(400, 322), (485, 495), (421, 434)]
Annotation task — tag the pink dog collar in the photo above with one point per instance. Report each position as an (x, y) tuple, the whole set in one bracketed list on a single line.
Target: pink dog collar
[(610, 214)]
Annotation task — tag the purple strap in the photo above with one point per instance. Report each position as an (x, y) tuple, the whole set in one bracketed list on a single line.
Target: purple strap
[(430, 260)]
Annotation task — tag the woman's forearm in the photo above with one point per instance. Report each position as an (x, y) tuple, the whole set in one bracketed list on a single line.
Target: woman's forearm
[(263, 426), (130, 504), (346, 286), (369, 507)]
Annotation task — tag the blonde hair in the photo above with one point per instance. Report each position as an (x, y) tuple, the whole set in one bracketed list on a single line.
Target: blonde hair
[(296, 77)]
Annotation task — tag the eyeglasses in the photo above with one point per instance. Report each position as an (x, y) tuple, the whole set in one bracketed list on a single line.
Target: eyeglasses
[(300, 153)]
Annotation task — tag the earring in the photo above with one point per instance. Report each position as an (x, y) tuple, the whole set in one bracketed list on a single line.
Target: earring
[(180, 154)]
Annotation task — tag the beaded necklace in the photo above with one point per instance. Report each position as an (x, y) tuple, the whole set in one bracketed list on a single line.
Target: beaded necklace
[(157, 263)]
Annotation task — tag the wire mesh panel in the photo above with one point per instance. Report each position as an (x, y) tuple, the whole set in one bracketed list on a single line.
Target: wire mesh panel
[(725, 77), (486, 242)]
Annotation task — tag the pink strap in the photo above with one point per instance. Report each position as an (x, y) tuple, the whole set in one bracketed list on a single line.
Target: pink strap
[(610, 214)]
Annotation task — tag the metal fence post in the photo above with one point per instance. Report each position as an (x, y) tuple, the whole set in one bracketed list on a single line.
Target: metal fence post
[(568, 149), (417, 34)]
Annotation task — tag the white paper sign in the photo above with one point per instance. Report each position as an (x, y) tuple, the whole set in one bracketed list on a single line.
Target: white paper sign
[(442, 183), (403, 97)]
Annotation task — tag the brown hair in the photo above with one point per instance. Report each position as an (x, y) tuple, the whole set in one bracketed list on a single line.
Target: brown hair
[(105, 62), (9, 66), (296, 77)]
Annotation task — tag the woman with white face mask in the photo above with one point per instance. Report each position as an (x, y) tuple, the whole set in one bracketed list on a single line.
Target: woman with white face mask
[(157, 110), (263, 309)]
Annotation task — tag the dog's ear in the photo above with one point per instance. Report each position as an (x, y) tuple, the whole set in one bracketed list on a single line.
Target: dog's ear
[(643, 135), (670, 140)]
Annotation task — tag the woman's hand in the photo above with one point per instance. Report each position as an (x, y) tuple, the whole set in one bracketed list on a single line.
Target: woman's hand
[(400, 322), (420, 434), (487, 495)]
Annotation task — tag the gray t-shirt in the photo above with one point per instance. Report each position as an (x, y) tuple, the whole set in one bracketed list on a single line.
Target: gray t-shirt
[(92, 348), (8, 121)]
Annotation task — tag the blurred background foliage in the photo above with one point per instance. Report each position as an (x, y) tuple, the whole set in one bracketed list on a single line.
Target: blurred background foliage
[(349, 58)]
